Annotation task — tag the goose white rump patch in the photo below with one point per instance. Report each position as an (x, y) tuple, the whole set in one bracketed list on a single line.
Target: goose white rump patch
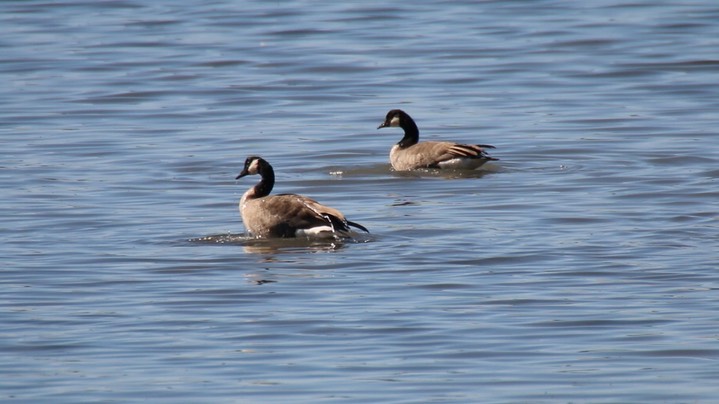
[(461, 163), (317, 231)]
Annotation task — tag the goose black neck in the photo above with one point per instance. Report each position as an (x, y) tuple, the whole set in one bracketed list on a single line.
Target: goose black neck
[(264, 187), (411, 132)]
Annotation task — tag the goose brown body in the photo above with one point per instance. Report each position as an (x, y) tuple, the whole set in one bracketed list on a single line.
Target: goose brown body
[(286, 215), (411, 154)]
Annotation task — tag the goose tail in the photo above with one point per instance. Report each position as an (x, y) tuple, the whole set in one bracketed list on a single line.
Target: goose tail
[(357, 225)]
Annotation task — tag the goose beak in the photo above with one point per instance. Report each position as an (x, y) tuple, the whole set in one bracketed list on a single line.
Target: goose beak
[(242, 174), (383, 125)]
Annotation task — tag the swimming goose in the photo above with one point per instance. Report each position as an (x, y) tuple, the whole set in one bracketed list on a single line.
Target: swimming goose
[(410, 154), (286, 215)]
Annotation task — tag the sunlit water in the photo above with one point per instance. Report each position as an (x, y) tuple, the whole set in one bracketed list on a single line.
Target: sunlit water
[(580, 267)]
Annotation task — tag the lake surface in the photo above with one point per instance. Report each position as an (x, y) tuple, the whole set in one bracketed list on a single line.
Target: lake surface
[(583, 266)]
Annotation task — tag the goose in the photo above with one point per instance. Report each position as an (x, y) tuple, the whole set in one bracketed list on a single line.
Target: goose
[(411, 154), (286, 215)]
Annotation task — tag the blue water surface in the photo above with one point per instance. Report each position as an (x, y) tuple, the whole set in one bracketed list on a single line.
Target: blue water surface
[(580, 267)]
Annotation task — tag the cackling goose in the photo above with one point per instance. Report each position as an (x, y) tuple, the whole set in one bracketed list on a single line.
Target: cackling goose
[(410, 154)]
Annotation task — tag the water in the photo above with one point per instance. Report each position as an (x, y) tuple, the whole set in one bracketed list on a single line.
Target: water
[(581, 267)]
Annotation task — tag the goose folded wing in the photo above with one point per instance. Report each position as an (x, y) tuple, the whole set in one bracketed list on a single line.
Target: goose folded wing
[(466, 150), (301, 212)]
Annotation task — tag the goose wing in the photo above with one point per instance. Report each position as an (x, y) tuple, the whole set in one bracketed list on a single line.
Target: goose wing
[(292, 212), (430, 154), (449, 150)]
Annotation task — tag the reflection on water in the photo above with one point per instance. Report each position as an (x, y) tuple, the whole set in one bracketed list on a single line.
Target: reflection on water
[(270, 246), (486, 169), (385, 169)]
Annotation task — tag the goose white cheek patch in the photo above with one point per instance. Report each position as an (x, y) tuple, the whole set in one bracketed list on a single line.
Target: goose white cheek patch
[(253, 167)]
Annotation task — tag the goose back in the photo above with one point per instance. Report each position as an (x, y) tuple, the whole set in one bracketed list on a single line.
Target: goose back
[(291, 215), (438, 155)]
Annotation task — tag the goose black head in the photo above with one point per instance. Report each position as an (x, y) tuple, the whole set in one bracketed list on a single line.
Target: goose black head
[(253, 165), (394, 118)]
